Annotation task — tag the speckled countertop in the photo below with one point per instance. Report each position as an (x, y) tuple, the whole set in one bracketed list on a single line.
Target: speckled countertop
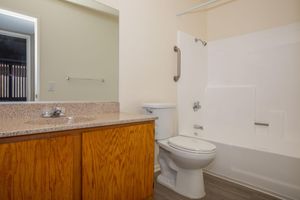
[(17, 119), (18, 127)]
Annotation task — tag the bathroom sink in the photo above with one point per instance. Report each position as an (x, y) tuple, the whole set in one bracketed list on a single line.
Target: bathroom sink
[(59, 120)]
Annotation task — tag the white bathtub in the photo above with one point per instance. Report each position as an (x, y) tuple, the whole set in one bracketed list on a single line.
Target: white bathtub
[(274, 173)]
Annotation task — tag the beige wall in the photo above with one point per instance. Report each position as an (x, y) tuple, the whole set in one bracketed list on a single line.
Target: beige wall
[(239, 17), (193, 23), (147, 61), (147, 36), (74, 41), (111, 3), (148, 32)]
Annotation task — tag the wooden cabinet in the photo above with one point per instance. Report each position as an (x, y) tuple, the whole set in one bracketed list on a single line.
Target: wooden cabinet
[(109, 163), (40, 169), (118, 163)]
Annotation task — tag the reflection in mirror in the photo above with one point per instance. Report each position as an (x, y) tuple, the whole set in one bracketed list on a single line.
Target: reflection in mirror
[(53, 50), (17, 36)]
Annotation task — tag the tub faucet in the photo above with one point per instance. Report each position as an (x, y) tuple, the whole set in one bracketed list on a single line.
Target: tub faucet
[(54, 112), (196, 106)]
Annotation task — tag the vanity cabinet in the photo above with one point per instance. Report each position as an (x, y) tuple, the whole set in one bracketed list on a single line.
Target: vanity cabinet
[(40, 168), (118, 163), (109, 163)]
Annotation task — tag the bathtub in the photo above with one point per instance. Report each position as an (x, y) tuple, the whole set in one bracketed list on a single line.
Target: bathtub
[(263, 169)]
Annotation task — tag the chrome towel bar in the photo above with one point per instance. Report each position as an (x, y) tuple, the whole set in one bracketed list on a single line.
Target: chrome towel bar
[(68, 78), (260, 124)]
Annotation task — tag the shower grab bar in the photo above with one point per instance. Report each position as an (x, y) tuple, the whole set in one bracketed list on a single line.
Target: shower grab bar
[(178, 51), (260, 124)]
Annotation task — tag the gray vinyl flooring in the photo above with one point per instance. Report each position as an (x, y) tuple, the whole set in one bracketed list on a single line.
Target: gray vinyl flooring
[(216, 189)]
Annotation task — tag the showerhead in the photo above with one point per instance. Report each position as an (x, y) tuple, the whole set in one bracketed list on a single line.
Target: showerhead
[(204, 43)]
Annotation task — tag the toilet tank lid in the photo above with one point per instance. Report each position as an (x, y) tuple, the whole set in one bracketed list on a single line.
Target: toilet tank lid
[(159, 105)]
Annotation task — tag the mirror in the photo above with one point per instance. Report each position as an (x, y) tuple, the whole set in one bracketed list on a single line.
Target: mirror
[(58, 50)]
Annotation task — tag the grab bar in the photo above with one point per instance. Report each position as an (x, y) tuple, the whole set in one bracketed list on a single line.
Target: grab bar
[(177, 50), (260, 124)]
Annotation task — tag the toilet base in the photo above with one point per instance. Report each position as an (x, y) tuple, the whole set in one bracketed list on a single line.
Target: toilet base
[(188, 183)]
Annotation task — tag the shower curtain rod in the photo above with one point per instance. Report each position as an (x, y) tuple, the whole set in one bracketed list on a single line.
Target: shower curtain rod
[(196, 7)]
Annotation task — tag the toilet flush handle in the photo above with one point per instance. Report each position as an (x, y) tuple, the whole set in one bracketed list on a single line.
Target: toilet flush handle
[(148, 110)]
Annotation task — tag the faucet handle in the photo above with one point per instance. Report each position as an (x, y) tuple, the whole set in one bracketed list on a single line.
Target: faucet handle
[(196, 106), (58, 112), (47, 113), (54, 112)]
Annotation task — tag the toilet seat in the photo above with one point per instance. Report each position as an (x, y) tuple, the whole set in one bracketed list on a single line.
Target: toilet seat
[(191, 145)]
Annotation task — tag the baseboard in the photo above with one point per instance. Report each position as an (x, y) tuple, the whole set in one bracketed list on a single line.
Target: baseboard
[(246, 185), (156, 168)]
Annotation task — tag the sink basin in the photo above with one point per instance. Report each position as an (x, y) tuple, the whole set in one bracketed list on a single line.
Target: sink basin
[(59, 120)]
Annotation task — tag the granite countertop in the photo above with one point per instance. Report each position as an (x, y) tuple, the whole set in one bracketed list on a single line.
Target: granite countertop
[(20, 126)]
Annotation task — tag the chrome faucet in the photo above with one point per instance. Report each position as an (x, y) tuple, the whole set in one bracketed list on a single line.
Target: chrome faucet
[(54, 112), (196, 106)]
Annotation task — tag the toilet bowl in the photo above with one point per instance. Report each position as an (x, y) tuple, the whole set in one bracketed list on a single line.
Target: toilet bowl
[(181, 158), (181, 162)]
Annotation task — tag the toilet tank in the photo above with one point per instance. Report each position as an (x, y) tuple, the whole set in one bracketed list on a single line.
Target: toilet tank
[(165, 125)]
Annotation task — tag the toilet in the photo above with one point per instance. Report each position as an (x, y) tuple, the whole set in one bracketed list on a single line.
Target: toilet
[(181, 158)]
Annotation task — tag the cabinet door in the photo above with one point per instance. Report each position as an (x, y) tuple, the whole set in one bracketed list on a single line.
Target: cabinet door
[(118, 163), (41, 169)]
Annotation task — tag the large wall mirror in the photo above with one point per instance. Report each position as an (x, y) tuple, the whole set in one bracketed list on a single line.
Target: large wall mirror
[(58, 50)]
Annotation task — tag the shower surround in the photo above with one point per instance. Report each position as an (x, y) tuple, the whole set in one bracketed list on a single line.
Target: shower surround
[(240, 81)]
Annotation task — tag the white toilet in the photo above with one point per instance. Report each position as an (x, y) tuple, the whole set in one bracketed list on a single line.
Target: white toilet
[(181, 158)]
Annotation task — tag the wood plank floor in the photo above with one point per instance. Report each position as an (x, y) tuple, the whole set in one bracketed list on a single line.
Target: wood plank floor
[(216, 189)]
